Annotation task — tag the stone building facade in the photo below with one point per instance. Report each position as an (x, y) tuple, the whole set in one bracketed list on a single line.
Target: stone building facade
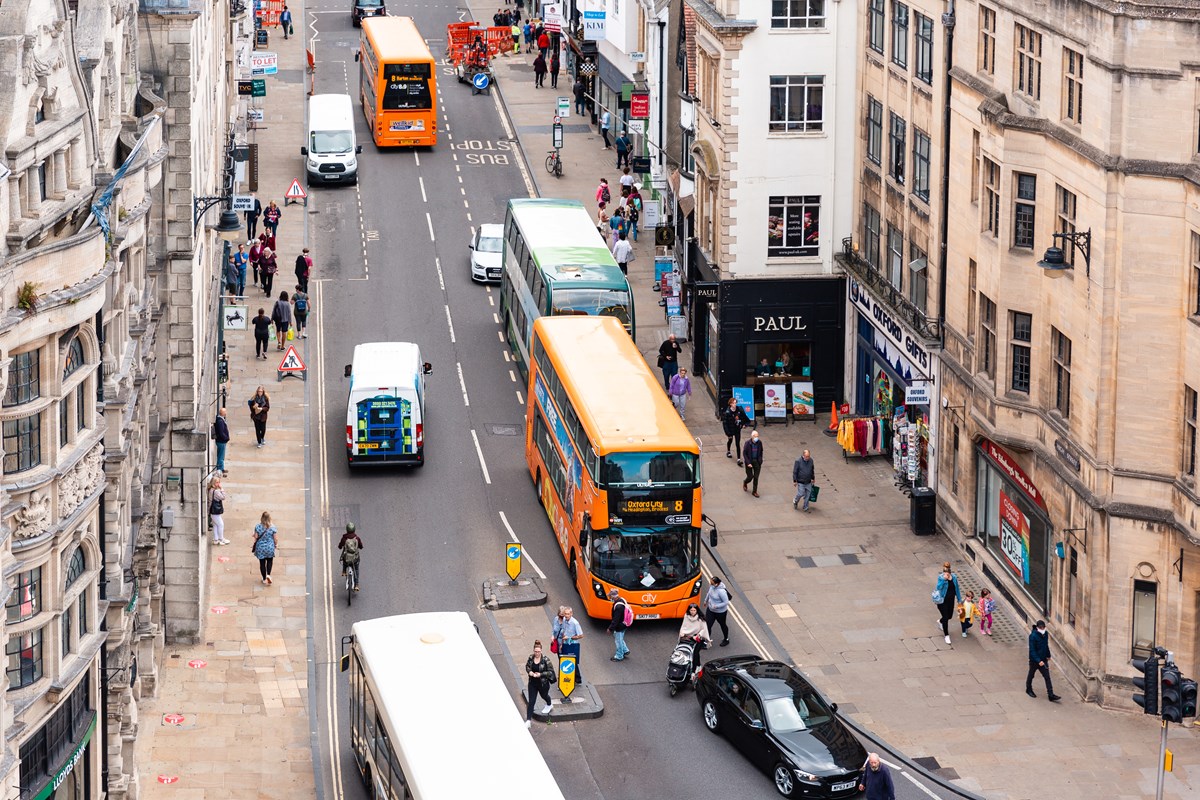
[(1069, 475), (77, 366)]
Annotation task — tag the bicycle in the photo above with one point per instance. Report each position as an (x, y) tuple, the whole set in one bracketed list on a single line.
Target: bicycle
[(554, 163), (351, 582)]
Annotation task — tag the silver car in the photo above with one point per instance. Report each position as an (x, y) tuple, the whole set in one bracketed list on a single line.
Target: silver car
[(487, 253)]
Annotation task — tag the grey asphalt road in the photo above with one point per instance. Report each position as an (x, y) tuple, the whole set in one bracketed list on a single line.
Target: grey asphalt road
[(433, 534)]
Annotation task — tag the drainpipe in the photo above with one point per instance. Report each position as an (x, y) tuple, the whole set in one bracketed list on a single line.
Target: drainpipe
[(662, 90), (948, 24)]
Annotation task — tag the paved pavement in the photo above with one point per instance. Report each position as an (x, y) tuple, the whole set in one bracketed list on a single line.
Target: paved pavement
[(845, 588), (242, 690)]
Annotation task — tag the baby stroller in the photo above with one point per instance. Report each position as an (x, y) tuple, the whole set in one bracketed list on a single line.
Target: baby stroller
[(681, 669)]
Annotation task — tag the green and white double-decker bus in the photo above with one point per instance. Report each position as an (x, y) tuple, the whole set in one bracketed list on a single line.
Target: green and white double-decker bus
[(556, 263)]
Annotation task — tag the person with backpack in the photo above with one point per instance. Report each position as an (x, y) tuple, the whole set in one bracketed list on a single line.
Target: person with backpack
[(351, 546), (623, 144), (634, 204), (622, 618), (281, 315), (304, 264), (603, 195), (300, 311)]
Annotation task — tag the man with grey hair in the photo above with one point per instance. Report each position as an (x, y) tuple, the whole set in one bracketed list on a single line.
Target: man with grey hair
[(877, 779)]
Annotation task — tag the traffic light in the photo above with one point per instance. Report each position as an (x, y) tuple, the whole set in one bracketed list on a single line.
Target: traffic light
[(1148, 683), (1188, 692), (1172, 696)]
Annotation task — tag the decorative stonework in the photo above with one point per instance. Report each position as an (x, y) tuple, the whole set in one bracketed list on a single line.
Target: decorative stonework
[(34, 519), (81, 482)]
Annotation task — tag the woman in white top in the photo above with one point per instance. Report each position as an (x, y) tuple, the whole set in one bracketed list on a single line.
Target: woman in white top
[(216, 510)]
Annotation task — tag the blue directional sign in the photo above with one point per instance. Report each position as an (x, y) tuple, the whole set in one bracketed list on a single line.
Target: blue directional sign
[(512, 560), (566, 675), (480, 81)]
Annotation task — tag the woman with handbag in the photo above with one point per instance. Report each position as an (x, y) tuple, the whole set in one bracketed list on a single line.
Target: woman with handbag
[(281, 315), (216, 510), (260, 405), (946, 600), (540, 671)]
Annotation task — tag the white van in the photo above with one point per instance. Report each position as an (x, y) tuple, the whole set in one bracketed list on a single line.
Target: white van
[(385, 411), (331, 147)]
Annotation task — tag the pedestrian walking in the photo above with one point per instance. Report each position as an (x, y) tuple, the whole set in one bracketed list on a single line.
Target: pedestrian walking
[(626, 180), (803, 474), (281, 316), (543, 42), (623, 144), (260, 406), (617, 626), (752, 455), (987, 606), (303, 269), (268, 265), (497, 18), (555, 68), (285, 21), (252, 220), (602, 219), (668, 359), (221, 437), (946, 600), (877, 780), (527, 30), (616, 226), (515, 30), (580, 92), (271, 217), (623, 252), (539, 71), (300, 305), (268, 240), (262, 334), (255, 258), (634, 214), (216, 510), (540, 671), (733, 419), (716, 608), (568, 632), (1039, 660), (241, 260), (605, 126), (967, 612), (266, 540), (680, 390), (603, 195)]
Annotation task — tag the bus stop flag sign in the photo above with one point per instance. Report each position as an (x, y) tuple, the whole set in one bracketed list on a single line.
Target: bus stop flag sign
[(566, 675), (512, 560)]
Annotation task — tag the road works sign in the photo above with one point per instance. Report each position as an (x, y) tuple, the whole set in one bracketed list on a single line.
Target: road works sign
[(295, 191), (291, 361)]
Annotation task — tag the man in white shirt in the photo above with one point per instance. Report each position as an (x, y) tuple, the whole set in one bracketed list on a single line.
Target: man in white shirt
[(623, 253)]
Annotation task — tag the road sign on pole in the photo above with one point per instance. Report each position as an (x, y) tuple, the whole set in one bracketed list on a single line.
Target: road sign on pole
[(512, 560)]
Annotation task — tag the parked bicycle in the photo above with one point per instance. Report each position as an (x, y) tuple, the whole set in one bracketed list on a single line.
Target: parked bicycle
[(554, 163)]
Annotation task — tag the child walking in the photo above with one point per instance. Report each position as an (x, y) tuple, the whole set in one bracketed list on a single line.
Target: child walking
[(967, 612), (986, 606)]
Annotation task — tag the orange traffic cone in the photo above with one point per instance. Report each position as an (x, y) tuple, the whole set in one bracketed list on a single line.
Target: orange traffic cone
[(833, 417)]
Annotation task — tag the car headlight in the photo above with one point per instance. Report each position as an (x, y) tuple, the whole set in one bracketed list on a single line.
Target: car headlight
[(806, 776)]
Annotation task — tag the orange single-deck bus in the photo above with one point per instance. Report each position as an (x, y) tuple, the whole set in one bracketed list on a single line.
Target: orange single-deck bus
[(615, 468), (397, 82)]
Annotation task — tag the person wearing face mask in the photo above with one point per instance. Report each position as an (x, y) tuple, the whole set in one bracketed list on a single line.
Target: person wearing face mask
[(877, 780), (752, 458)]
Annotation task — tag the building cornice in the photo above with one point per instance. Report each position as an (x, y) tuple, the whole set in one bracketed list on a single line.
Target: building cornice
[(711, 17)]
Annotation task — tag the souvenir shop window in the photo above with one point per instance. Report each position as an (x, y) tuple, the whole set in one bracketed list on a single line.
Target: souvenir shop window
[(793, 359)]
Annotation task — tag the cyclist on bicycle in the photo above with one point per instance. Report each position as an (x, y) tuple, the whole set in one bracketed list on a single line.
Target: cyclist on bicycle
[(351, 546)]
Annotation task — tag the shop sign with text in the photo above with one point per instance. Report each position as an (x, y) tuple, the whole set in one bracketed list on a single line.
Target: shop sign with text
[(886, 324)]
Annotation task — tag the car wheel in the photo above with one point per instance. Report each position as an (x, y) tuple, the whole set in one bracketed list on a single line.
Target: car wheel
[(711, 720), (785, 780)]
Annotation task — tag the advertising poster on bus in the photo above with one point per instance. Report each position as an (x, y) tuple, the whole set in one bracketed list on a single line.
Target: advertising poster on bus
[(1014, 537)]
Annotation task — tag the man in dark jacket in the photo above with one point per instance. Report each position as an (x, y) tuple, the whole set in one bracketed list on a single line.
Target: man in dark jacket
[(252, 220), (221, 437), (668, 359), (752, 455), (351, 546), (617, 626), (803, 474), (877, 780), (1039, 660)]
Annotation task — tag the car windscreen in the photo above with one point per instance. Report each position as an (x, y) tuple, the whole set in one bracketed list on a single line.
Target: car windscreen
[(406, 87), (331, 142), (489, 244), (803, 710)]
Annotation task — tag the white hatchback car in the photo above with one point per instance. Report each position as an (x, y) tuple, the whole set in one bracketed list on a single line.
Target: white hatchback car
[(487, 253)]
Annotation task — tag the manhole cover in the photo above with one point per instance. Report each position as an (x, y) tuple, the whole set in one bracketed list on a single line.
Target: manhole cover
[(505, 430)]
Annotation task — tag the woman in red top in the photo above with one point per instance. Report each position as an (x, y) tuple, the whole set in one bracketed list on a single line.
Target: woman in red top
[(268, 267), (256, 250)]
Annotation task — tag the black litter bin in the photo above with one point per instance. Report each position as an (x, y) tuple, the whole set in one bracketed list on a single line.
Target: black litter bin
[(923, 508)]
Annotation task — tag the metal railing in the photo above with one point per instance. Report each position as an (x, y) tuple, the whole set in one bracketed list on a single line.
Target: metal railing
[(903, 308)]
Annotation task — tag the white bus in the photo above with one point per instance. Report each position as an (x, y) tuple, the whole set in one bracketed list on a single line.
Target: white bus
[(431, 718)]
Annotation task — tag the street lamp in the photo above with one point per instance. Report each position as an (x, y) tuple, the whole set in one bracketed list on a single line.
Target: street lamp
[(1055, 260), (228, 226)]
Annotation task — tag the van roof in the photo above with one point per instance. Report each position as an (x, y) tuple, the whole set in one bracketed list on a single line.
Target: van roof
[(330, 108), (385, 364)]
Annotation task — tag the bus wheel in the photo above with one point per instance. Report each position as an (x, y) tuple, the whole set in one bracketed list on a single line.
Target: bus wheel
[(573, 569), (537, 484)]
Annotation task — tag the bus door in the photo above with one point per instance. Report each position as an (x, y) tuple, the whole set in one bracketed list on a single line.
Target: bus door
[(385, 426)]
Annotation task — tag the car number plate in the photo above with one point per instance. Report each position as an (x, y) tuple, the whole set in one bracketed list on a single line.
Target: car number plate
[(648, 616), (841, 787), (368, 445)]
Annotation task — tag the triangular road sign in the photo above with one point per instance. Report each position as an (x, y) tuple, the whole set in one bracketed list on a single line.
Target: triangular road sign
[(296, 191), (291, 361)]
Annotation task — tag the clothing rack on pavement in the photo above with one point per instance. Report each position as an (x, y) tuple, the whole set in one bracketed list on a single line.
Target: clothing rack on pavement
[(862, 436)]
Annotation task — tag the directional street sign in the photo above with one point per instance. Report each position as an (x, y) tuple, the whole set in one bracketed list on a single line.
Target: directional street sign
[(480, 81), (512, 560), (566, 675)]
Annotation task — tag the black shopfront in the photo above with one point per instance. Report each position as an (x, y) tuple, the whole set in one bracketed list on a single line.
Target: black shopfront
[(755, 332)]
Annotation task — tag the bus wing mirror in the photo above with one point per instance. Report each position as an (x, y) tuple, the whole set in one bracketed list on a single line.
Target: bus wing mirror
[(303, 151), (344, 662), (347, 374), (356, 55), (428, 368), (712, 537)]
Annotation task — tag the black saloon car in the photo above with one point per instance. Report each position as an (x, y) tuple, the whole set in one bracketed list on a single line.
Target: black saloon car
[(781, 723)]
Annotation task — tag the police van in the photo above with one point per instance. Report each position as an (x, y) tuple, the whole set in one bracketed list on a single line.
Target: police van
[(385, 409)]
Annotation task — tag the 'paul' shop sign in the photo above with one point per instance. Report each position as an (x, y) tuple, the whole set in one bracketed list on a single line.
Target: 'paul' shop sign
[(861, 299)]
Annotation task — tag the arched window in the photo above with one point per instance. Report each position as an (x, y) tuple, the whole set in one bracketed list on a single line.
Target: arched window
[(75, 567), (75, 358)]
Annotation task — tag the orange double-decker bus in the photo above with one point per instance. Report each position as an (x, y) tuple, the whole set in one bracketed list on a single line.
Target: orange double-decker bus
[(615, 468), (397, 82)]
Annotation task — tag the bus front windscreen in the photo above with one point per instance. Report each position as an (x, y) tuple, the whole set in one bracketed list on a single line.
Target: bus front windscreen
[(406, 87), (593, 302), (648, 469), (645, 558)]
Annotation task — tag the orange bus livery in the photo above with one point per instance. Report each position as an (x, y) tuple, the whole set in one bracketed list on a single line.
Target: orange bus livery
[(615, 468), (397, 83)]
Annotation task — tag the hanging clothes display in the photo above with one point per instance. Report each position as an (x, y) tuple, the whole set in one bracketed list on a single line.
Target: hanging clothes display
[(864, 436)]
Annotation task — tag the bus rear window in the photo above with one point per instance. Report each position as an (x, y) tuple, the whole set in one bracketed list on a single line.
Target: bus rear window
[(593, 302), (406, 87), (639, 469)]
